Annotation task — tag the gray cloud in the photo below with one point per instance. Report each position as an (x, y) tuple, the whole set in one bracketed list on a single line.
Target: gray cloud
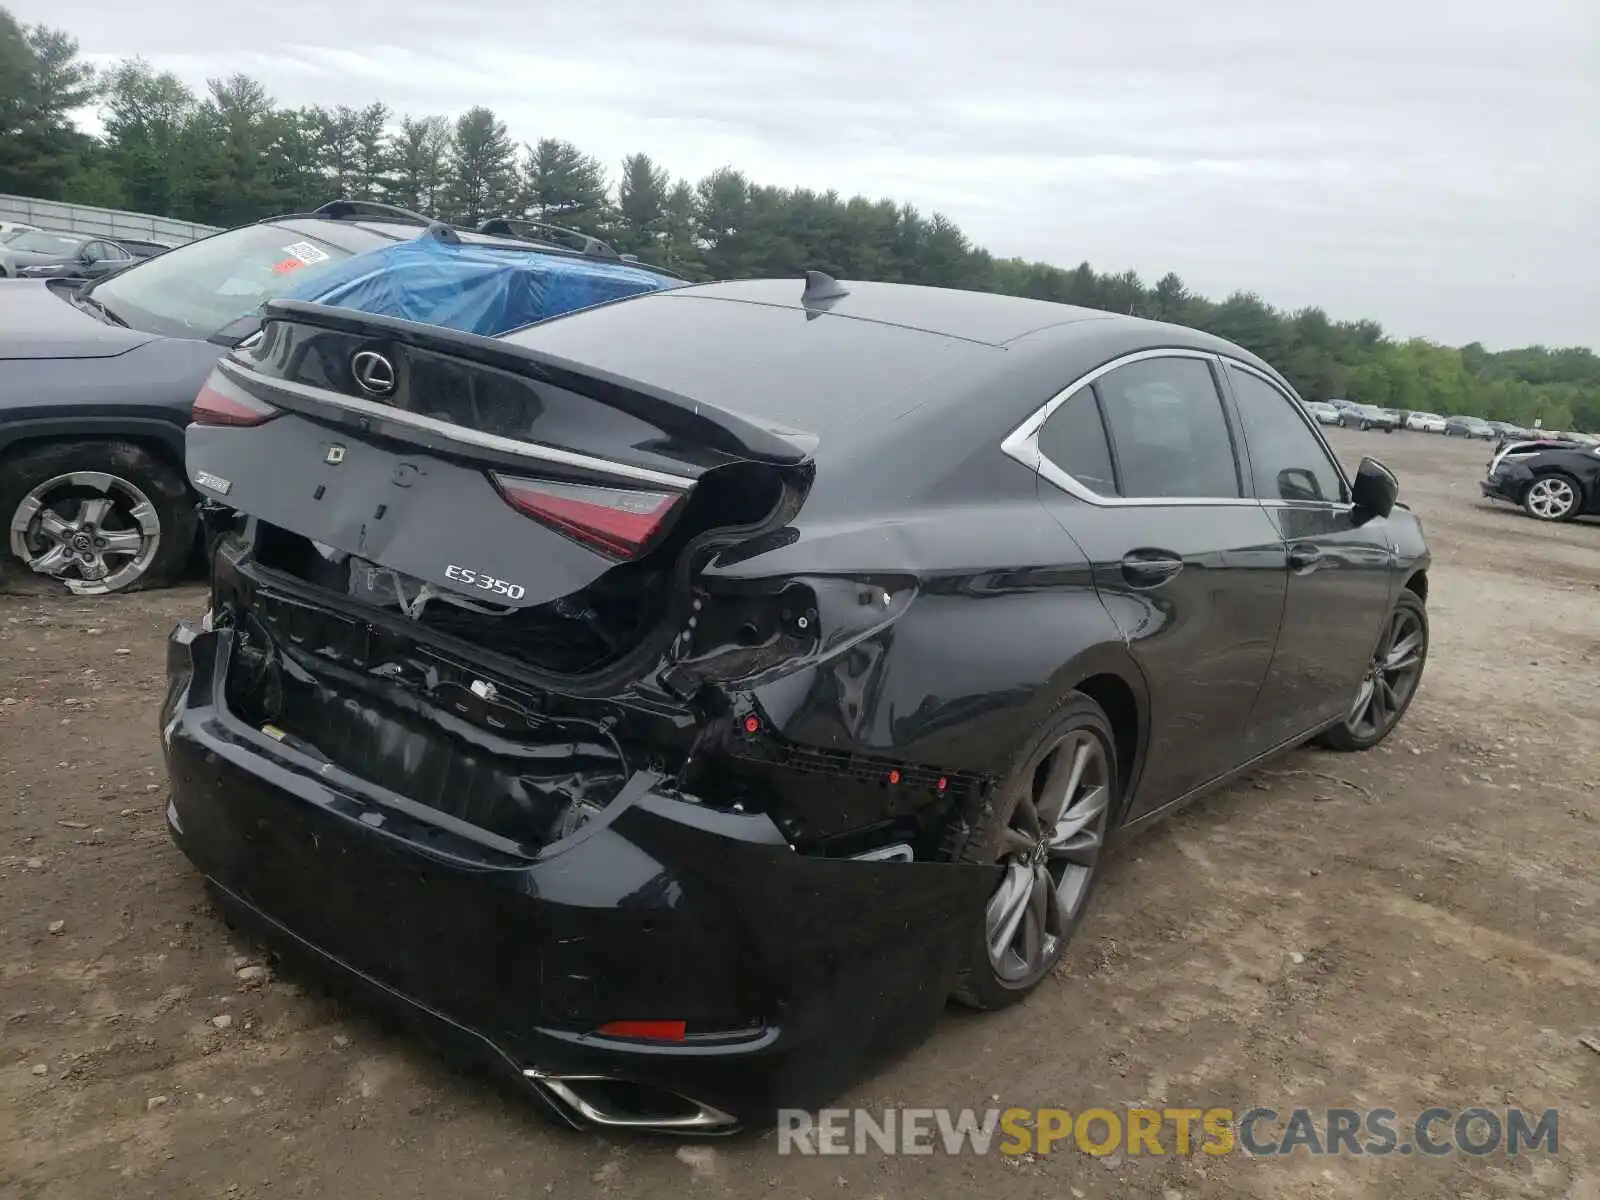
[(1430, 163)]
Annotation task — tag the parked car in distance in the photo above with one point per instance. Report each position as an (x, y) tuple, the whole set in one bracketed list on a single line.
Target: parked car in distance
[(797, 783), (10, 228), (37, 254), (97, 381), (1425, 422), (1325, 414), (1341, 405), (1469, 427), (1368, 416), (1551, 479)]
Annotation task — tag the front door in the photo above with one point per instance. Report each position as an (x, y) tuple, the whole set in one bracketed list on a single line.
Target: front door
[(1340, 573), (1139, 467)]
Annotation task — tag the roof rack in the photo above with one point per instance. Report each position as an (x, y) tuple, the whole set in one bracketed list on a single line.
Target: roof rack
[(515, 226), (591, 247), (354, 210)]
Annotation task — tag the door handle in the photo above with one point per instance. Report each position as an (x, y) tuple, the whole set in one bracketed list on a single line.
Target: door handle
[(1150, 568), (1304, 558)]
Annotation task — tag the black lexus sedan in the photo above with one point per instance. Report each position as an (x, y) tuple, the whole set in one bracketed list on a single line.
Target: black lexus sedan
[(1549, 479), (676, 702)]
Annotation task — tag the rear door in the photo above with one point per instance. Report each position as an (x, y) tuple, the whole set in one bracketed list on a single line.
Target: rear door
[(1340, 574), (1138, 464)]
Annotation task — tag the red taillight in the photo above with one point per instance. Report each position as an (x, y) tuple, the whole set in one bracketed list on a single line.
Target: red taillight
[(221, 403), (651, 1031), (618, 521)]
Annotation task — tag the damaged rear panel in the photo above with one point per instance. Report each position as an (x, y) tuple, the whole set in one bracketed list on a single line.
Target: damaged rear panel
[(474, 576)]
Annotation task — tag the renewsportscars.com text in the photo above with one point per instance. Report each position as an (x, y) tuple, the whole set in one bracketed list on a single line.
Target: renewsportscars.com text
[(1258, 1132)]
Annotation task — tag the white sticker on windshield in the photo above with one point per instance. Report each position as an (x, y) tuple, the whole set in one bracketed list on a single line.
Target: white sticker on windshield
[(306, 253)]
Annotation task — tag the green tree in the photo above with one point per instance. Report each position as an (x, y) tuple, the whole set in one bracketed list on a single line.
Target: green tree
[(564, 186), (420, 156), (338, 150), (147, 118), (641, 204), (42, 83), (237, 127), (483, 168)]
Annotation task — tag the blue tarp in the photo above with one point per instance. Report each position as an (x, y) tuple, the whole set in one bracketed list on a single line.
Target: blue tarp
[(479, 289)]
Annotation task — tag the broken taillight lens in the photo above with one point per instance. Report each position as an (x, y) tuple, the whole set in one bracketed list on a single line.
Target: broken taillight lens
[(221, 402), (616, 521)]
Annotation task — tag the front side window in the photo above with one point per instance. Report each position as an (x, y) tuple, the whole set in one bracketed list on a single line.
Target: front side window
[(1169, 436), (195, 290), (1074, 439), (1287, 460)]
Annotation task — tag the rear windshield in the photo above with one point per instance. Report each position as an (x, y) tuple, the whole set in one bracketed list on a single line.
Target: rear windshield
[(777, 366), (44, 243), (195, 290)]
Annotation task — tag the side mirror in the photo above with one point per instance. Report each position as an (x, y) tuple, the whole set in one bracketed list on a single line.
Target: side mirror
[(1375, 490)]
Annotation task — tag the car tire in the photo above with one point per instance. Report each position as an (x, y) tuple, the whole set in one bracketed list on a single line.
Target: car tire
[(1554, 496), (51, 505), (1048, 883), (1394, 656)]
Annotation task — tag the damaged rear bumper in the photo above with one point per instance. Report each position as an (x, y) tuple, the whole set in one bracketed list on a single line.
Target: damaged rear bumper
[(791, 974)]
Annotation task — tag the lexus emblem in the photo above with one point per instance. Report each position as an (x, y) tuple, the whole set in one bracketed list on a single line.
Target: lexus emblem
[(374, 373)]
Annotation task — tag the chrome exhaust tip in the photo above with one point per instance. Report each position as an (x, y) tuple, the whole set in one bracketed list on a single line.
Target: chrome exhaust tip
[(622, 1104)]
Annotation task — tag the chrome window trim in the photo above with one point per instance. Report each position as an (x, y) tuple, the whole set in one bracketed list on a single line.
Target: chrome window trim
[(1316, 432), (536, 451), (1022, 443)]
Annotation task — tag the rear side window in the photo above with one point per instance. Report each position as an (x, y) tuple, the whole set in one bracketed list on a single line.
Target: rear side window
[(1287, 460), (1168, 433), (1074, 439)]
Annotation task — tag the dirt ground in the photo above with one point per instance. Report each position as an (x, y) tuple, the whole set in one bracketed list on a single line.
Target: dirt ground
[(1416, 926)]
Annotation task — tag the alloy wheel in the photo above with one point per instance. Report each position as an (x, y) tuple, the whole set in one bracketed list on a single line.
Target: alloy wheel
[(1051, 846), (1391, 677), (1551, 499), (93, 531)]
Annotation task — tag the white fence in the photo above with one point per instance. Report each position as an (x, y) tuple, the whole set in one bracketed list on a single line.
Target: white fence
[(105, 222)]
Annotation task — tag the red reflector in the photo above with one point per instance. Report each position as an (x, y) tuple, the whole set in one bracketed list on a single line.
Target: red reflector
[(618, 521), (751, 724), (226, 405), (894, 776), (943, 783), (653, 1031)]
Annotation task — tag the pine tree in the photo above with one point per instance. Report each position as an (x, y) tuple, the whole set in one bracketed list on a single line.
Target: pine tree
[(420, 155), (564, 186), (483, 168)]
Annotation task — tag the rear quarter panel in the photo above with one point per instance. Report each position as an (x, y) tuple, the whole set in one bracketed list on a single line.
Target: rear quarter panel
[(1004, 620)]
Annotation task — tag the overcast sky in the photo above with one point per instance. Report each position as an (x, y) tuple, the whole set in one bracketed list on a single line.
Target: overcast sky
[(1434, 164)]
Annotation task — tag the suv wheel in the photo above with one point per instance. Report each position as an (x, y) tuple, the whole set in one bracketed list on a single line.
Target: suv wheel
[(97, 516), (1552, 497)]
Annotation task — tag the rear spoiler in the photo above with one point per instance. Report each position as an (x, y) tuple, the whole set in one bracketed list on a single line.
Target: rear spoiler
[(693, 420)]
